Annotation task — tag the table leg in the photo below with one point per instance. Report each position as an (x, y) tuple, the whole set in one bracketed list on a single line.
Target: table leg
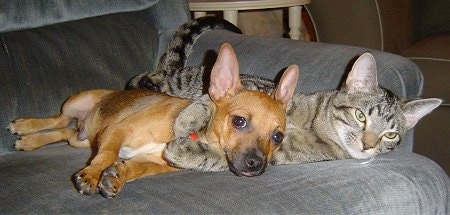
[(295, 21), (231, 16), (198, 14)]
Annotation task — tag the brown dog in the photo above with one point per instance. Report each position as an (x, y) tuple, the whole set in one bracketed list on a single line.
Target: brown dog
[(247, 125)]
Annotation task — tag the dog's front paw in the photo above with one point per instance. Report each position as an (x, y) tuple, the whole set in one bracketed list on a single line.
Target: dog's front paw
[(86, 181), (111, 183), (189, 154)]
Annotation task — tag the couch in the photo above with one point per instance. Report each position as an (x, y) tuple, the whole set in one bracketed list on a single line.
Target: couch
[(51, 50), (418, 30)]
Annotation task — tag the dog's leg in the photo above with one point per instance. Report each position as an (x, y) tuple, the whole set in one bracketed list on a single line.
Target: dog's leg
[(109, 142), (37, 132), (24, 126), (36, 140), (115, 176)]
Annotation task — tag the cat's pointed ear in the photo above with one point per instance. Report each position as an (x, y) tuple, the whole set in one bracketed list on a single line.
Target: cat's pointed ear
[(415, 110), (224, 74), (286, 87), (363, 76)]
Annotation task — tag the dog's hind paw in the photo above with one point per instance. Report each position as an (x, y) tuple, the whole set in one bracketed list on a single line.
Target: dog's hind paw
[(23, 126), (19, 127), (110, 182), (26, 143)]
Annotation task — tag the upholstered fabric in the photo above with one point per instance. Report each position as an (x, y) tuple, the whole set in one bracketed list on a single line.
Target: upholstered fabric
[(434, 17), (397, 183), (432, 55), (23, 14), (40, 67)]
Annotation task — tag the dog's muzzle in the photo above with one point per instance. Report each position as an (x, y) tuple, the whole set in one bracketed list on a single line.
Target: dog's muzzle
[(248, 164)]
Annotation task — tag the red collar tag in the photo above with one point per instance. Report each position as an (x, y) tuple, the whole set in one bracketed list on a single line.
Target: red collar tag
[(193, 136)]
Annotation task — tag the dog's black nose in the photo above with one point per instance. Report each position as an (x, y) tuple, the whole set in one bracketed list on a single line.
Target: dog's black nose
[(254, 162)]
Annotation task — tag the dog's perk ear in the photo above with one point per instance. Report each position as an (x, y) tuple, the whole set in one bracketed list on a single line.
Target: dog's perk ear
[(224, 74), (286, 87)]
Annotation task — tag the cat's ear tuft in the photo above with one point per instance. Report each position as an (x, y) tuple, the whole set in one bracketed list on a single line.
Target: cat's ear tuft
[(286, 87), (363, 76), (415, 110), (224, 74)]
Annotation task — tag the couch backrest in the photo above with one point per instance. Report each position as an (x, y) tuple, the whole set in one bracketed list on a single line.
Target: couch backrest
[(378, 24), (433, 17), (388, 25)]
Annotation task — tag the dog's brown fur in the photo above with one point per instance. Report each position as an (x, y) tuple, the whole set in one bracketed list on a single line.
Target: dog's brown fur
[(137, 124)]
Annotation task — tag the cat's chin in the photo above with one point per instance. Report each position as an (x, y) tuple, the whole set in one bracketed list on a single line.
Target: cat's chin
[(361, 154)]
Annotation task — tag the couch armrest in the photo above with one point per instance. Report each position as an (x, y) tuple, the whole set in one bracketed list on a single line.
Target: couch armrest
[(384, 25)]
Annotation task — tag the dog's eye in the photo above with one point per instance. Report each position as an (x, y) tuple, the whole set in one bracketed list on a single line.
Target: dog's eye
[(239, 122), (277, 137)]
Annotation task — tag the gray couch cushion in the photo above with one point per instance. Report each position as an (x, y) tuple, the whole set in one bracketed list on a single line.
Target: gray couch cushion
[(396, 183), (23, 14)]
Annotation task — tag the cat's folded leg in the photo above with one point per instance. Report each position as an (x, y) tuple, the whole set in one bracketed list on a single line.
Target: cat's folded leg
[(187, 153), (194, 155), (195, 117)]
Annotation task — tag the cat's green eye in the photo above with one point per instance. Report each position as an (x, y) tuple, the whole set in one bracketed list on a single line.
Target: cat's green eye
[(360, 116), (390, 135)]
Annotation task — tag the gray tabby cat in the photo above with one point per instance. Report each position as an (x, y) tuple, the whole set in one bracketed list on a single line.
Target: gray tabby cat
[(361, 120)]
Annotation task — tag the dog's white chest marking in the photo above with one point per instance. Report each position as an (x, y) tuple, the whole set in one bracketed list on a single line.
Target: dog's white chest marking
[(129, 152)]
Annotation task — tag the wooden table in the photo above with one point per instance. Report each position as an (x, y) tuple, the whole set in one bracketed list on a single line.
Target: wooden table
[(230, 10)]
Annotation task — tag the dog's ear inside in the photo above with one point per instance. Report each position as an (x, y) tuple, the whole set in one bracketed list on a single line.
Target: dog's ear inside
[(286, 87), (224, 74)]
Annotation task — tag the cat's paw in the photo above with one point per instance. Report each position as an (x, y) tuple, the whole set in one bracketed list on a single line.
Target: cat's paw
[(190, 154), (193, 118), (179, 152)]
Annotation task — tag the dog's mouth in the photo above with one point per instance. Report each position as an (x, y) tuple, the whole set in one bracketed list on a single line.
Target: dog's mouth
[(247, 173)]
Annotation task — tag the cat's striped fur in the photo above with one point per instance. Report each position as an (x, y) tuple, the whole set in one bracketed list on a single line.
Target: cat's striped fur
[(173, 77), (361, 120)]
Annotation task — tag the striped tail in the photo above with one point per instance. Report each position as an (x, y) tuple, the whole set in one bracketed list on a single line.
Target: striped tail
[(187, 34)]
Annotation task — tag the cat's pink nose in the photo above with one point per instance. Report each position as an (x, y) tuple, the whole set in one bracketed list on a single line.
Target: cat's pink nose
[(370, 140)]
